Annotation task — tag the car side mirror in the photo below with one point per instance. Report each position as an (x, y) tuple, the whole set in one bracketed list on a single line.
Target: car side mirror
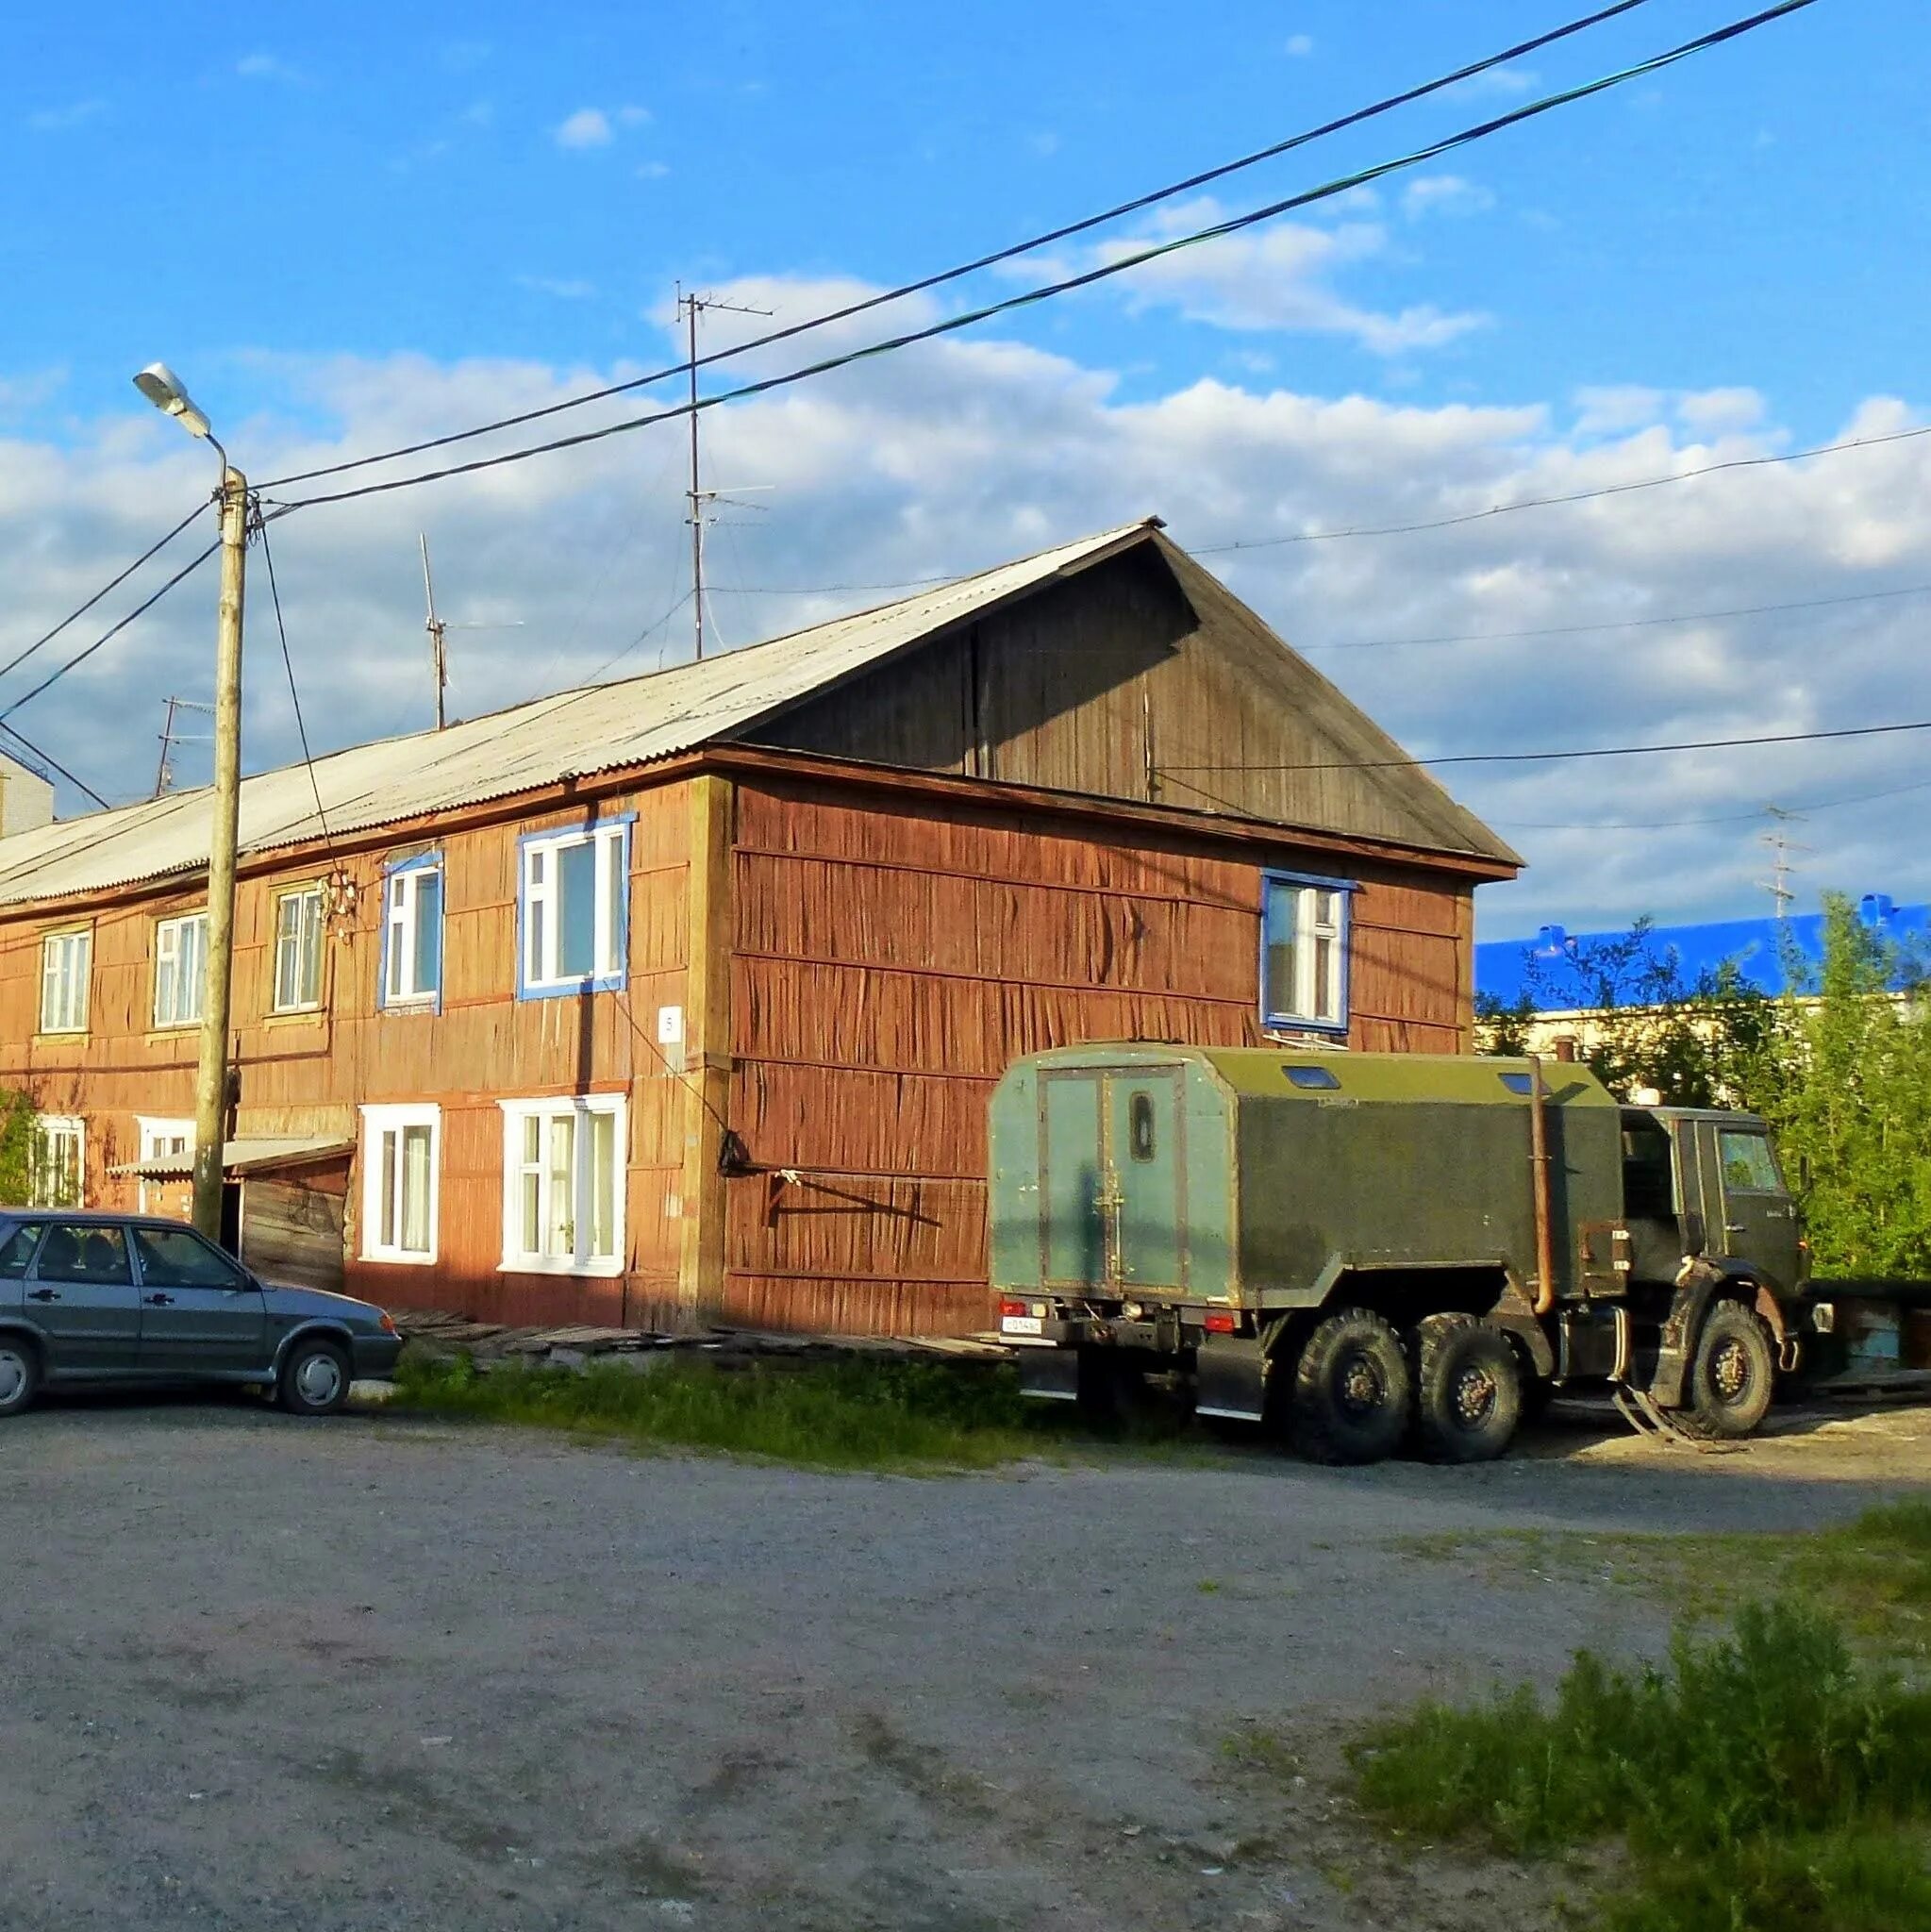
[(1694, 1233)]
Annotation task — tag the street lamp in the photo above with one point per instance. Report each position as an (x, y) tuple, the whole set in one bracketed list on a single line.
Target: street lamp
[(164, 390)]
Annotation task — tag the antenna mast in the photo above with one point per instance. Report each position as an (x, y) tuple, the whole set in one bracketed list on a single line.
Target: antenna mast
[(1781, 846), (689, 307), (438, 633), (164, 774)]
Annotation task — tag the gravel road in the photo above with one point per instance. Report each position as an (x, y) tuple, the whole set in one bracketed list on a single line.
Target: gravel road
[(378, 1673)]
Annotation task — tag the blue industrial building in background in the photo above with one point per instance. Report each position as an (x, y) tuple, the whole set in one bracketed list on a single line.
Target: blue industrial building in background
[(1507, 970)]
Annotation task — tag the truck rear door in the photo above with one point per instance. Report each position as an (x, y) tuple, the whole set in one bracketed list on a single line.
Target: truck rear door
[(1145, 1147), (1072, 1179)]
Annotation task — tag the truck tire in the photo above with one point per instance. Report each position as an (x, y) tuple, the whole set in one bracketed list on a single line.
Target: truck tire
[(1467, 1389), (1350, 1389), (1732, 1375)]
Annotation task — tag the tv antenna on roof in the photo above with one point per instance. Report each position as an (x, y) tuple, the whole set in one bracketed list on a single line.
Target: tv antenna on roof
[(439, 632), (690, 306), (165, 775)]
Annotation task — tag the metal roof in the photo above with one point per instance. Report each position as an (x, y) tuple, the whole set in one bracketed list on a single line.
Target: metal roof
[(243, 1156), (574, 734)]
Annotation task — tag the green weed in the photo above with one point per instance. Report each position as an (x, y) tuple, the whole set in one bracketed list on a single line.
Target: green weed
[(1762, 1781), (860, 1414)]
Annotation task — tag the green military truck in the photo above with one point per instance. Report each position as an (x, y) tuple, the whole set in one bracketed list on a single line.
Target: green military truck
[(1367, 1248)]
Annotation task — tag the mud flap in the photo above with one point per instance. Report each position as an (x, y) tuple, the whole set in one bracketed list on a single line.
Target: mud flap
[(1229, 1378), (1049, 1375)]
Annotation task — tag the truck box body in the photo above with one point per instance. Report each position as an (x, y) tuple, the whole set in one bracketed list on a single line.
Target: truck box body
[(1255, 1177)]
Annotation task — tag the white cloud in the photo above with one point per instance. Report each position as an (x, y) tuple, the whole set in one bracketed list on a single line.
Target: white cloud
[(1444, 194), (1268, 278), (58, 120), (587, 128), (964, 452), (564, 289), (1501, 82), (652, 171), (265, 67), (632, 116), (1611, 409), (1299, 46)]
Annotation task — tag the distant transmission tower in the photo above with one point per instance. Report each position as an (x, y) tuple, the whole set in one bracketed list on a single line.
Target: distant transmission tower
[(1781, 866)]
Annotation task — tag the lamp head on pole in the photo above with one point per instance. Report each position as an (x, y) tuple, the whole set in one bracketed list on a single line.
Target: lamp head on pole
[(167, 392)]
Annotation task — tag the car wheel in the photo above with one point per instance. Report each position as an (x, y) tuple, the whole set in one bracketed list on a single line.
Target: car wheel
[(20, 1375), (314, 1379), (1733, 1376), (1467, 1389), (1350, 1389)]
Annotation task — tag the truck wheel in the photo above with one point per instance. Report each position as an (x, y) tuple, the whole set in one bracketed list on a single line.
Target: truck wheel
[(1467, 1389), (1732, 1377), (1350, 1389)]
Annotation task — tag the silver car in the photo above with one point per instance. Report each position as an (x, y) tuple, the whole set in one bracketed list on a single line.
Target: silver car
[(91, 1298)]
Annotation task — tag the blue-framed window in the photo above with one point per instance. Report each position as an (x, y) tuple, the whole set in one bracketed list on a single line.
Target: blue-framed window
[(1304, 952), (412, 934), (573, 927)]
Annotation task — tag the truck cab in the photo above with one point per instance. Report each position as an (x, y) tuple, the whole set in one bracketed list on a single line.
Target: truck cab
[(1703, 1182)]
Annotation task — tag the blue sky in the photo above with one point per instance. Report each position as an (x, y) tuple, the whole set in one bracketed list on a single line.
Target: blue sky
[(346, 223)]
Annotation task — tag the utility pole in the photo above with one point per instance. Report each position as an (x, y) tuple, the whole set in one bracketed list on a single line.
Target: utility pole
[(438, 633), (163, 388), (690, 306)]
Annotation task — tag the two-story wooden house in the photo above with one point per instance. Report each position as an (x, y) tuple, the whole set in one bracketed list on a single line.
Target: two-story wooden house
[(683, 996)]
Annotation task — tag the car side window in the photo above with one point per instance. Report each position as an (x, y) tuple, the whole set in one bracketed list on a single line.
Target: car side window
[(17, 1250), (173, 1257), (74, 1251)]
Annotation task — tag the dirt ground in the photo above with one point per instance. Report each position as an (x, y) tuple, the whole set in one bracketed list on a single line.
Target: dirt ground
[(378, 1673)]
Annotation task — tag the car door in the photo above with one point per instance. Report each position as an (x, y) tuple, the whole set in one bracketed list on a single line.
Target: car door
[(80, 1295), (201, 1313)]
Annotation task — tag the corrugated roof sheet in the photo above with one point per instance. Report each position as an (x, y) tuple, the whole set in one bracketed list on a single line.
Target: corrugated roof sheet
[(572, 735)]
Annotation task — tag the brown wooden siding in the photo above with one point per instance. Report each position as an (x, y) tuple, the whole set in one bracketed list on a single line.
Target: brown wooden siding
[(309, 1074), (889, 962)]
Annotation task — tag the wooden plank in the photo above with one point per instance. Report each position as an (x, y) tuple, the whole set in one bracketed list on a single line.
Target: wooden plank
[(708, 1045)]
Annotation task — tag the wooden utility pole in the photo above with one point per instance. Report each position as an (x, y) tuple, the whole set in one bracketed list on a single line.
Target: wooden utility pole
[(211, 1078)]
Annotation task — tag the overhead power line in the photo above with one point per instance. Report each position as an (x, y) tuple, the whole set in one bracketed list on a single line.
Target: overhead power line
[(288, 665), (1497, 509), (1010, 253), (113, 583), (107, 636), (1601, 751), (1728, 818), (1215, 231), (52, 763)]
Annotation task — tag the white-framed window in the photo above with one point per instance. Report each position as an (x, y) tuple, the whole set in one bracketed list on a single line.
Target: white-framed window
[(563, 1164), (65, 960), (402, 1149), (162, 1140), (180, 968), (413, 934), (60, 1161), (298, 950), (574, 909), (1304, 953)]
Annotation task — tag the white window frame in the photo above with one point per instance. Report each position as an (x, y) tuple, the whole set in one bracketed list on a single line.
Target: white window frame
[(290, 947), (156, 1135), (401, 911), (1319, 1001), (581, 1107), (378, 1124), (66, 967), (167, 950), (537, 940), (48, 1130)]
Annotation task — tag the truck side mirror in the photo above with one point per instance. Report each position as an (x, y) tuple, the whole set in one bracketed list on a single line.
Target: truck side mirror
[(1694, 1233)]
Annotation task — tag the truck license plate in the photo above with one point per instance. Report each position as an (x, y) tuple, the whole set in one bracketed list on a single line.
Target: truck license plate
[(1022, 1324)]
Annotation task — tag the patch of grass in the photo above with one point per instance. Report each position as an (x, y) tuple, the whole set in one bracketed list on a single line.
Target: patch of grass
[(1874, 1572), (860, 1414), (1763, 1781)]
